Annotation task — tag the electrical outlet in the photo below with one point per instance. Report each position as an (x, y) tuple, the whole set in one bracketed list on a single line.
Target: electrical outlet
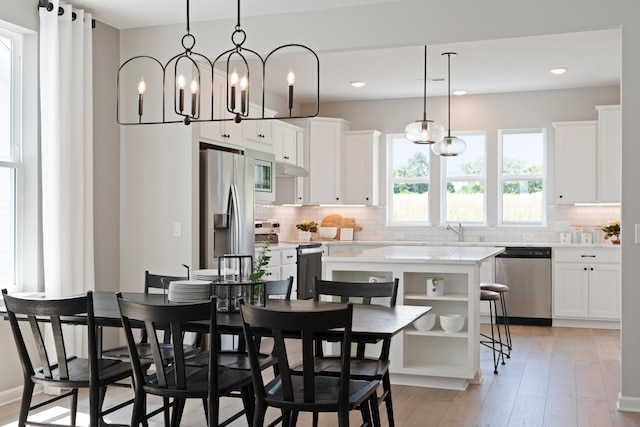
[(177, 229)]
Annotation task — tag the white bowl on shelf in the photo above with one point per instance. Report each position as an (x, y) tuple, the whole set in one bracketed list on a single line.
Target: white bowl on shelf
[(327, 232), (425, 322), (452, 323)]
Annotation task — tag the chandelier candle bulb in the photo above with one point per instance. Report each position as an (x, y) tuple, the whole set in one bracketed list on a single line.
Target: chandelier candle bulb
[(243, 94), (291, 78), (233, 80), (194, 95), (141, 88), (181, 83)]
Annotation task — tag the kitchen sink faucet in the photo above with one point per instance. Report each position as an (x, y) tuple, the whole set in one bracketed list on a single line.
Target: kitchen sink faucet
[(458, 230)]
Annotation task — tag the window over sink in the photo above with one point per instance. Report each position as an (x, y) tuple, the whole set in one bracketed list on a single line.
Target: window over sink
[(503, 185)]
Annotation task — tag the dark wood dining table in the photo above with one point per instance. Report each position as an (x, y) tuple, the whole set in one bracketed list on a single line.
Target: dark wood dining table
[(370, 322)]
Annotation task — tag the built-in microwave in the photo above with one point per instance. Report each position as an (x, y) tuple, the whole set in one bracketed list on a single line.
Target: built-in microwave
[(265, 176)]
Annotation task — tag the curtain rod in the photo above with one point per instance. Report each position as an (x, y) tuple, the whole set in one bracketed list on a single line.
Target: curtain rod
[(47, 4)]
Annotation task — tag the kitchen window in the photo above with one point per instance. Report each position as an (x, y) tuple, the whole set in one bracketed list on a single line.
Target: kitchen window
[(9, 154), (464, 197), (522, 183), (408, 171)]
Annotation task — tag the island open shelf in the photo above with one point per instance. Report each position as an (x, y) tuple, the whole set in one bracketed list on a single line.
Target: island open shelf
[(431, 358)]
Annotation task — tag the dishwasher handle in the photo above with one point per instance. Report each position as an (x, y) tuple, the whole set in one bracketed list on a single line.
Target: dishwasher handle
[(309, 251)]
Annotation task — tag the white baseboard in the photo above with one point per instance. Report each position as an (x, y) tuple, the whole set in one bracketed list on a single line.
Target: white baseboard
[(629, 404), (15, 395), (10, 396)]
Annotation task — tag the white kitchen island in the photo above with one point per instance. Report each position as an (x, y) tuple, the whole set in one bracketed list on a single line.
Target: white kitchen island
[(428, 358)]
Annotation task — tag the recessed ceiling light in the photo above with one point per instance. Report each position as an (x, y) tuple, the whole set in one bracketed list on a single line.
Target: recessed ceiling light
[(560, 70), (357, 84), (459, 92)]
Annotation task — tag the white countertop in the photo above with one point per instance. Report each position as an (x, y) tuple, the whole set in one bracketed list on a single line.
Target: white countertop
[(419, 254), (605, 244)]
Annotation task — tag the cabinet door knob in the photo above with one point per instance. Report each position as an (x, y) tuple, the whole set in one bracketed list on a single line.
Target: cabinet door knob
[(591, 268), (585, 269), (366, 198)]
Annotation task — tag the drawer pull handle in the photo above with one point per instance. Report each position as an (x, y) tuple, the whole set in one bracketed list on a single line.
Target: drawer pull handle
[(588, 256)]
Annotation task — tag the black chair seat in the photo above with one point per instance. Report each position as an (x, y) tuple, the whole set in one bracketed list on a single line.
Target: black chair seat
[(326, 391), (360, 368), (234, 360), (109, 371), (198, 378), (144, 350)]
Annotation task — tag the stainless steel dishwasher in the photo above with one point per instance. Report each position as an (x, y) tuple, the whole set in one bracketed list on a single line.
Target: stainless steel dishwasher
[(309, 266), (527, 272)]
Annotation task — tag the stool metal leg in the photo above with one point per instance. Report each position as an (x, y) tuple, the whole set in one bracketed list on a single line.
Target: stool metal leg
[(505, 322)]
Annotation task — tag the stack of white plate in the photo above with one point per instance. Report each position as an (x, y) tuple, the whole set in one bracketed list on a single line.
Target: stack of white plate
[(208, 275), (189, 290)]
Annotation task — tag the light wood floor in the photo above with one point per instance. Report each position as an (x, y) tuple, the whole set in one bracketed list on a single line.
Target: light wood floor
[(560, 377)]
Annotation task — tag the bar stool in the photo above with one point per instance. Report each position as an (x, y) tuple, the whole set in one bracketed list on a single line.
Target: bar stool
[(491, 341), (501, 289)]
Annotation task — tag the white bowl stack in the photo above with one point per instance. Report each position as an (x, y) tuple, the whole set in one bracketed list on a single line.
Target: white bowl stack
[(425, 322), (452, 323), (189, 290)]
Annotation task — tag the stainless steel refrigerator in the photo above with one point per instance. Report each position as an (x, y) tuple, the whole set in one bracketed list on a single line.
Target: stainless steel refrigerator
[(226, 204)]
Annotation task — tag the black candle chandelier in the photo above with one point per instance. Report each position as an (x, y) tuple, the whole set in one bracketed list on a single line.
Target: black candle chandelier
[(167, 84)]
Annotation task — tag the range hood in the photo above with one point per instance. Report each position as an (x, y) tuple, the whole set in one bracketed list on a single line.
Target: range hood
[(289, 170)]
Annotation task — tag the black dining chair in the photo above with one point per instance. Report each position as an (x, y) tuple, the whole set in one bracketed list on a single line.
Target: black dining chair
[(279, 288), (153, 283), (65, 371), (305, 391), (180, 378), (237, 358), (362, 366)]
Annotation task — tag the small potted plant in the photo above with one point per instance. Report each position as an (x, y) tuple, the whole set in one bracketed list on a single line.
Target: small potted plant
[(306, 227), (612, 230)]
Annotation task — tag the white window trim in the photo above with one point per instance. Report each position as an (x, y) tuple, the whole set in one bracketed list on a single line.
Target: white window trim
[(542, 177), (15, 162), (464, 178), (390, 181)]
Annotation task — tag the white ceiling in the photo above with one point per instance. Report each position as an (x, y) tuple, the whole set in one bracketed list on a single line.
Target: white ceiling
[(493, 66)]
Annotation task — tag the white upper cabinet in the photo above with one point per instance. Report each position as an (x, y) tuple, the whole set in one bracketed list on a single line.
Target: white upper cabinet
[(610, 153), (258, 133), (323, 159), (360, 158), (576, 162), (589, 158), (284, 137)]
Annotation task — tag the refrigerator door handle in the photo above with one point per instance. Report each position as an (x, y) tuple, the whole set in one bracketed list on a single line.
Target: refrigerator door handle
[(234, 207)]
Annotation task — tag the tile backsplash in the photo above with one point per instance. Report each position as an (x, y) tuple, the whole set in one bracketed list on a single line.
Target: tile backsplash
[(372, 221)]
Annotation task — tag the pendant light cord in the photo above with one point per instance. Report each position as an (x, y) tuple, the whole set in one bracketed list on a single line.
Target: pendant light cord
[(424, 92), (188, 26), (449, 94)]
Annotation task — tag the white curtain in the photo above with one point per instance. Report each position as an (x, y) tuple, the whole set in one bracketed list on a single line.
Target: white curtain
[(66, 117)]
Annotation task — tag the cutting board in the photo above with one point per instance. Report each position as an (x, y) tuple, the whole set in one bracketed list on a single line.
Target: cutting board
[(335, 220)]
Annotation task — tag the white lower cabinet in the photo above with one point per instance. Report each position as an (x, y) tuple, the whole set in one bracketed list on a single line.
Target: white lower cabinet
[(586, 284), (281, 265)]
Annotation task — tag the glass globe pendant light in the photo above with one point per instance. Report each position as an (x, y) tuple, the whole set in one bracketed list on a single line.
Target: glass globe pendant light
[(449, 145), (424, 131)]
